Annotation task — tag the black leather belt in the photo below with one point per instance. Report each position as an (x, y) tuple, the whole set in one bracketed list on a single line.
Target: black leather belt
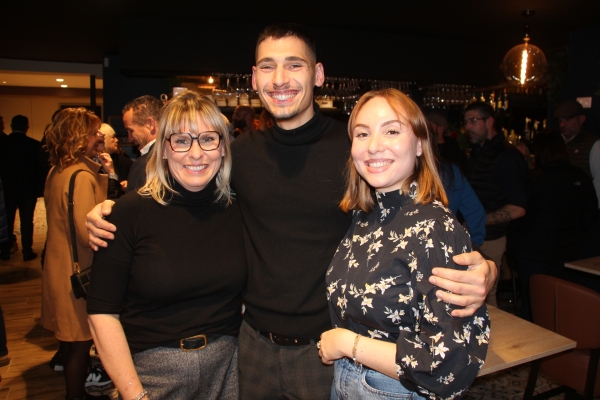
[(193, 343), (286, 340)]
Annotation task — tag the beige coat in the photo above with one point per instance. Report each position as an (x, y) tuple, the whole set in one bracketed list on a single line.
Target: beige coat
[(61, 312)]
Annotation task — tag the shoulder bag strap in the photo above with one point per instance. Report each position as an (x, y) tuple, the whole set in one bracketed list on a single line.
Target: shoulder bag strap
[(72, 221)]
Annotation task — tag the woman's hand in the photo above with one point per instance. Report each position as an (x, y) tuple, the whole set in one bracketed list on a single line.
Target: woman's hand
[(107, 163), (335, 344), (375, 354), (114, 351)]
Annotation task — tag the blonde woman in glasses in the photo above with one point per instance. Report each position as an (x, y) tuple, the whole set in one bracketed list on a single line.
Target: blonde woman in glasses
[(165, 298)]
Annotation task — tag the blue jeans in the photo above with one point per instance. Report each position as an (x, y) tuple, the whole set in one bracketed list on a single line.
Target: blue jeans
[(357, 382)]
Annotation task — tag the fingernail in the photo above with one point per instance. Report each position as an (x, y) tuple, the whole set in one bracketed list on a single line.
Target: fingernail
[(432, 280)]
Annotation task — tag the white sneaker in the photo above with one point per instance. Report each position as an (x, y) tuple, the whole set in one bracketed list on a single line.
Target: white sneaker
[(97, 376)]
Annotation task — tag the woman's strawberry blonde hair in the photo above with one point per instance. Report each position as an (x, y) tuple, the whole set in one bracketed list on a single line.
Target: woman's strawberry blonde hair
[(359, 195)]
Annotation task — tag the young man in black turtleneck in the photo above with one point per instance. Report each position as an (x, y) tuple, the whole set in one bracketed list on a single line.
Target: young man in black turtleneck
[(289, 181)]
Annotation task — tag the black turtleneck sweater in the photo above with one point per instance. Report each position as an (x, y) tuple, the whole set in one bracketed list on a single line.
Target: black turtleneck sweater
[(173, 271), (290, 184)]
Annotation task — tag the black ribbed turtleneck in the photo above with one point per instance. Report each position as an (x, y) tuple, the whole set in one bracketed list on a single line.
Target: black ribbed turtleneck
[(289, 184), (172, 271), (200, 199), (307, 133)]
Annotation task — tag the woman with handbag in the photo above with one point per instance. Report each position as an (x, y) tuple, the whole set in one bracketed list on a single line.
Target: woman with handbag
[(165, 298), (72, 140)]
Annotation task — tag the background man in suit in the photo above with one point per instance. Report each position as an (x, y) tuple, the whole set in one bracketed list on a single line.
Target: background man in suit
[(140, 117), (23, 179)]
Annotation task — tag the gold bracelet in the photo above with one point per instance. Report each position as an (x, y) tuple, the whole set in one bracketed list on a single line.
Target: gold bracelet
[(354, 349), (141, 395)]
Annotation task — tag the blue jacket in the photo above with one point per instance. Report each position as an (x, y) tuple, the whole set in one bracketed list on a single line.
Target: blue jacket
[(462, 198)]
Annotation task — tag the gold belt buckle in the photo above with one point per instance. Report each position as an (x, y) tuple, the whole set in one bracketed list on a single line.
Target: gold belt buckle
[(193, 337)]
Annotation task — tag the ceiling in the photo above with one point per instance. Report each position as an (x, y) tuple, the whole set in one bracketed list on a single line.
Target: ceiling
[(86, 31), (38, 79)]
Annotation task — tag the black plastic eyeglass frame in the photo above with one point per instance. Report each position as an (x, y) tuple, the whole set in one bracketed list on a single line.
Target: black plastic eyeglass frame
[(197, 139), (473, 120)]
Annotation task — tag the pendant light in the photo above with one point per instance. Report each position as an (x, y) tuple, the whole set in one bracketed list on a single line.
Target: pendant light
[(524, 64)]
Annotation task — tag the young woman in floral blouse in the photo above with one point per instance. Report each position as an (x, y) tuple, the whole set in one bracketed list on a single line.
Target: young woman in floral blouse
[(393, 338)]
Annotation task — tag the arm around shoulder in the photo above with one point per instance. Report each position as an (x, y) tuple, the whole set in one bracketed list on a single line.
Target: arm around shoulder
[(97, 228), (467, 288)]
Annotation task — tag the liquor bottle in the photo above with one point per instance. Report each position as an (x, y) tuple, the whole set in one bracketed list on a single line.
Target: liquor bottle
[(505, 100), (493, 100), (500, 103)]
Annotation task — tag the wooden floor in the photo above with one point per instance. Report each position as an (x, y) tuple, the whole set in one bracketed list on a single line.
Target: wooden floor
[(30, 346)]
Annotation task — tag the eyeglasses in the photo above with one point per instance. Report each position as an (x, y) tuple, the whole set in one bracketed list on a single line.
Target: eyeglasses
[(473, 121), (100, 134), (182, 142), (565, 119)]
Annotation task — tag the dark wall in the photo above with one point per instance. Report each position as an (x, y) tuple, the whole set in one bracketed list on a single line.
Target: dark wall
[(583, 74), (204, 47), (118, 88)]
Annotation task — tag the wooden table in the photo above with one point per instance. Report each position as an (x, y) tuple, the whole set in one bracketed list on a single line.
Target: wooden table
[(514, 341), (590, 265)]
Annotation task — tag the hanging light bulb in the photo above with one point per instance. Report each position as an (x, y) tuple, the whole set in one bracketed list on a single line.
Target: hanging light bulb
[(524, 64)]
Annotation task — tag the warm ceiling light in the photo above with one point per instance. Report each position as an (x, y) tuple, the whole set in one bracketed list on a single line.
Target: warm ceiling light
[(63, 85), (60, 80), (524, 64), (210, 79)]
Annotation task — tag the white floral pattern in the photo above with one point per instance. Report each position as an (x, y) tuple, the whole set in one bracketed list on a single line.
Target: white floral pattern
[(385, 262)]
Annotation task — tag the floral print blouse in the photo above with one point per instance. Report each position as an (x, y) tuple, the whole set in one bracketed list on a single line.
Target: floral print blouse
[(377, 286)]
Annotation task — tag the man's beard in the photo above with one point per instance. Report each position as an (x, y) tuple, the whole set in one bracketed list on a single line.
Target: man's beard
[(284, 115)]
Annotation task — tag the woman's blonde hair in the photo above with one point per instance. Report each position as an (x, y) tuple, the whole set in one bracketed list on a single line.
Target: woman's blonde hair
[(68, 135), (359, 195), (107, 130), (185, 110)]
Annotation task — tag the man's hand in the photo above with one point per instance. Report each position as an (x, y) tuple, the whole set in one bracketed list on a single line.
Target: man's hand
[(468, 288), (124, 185), (97, 227)]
